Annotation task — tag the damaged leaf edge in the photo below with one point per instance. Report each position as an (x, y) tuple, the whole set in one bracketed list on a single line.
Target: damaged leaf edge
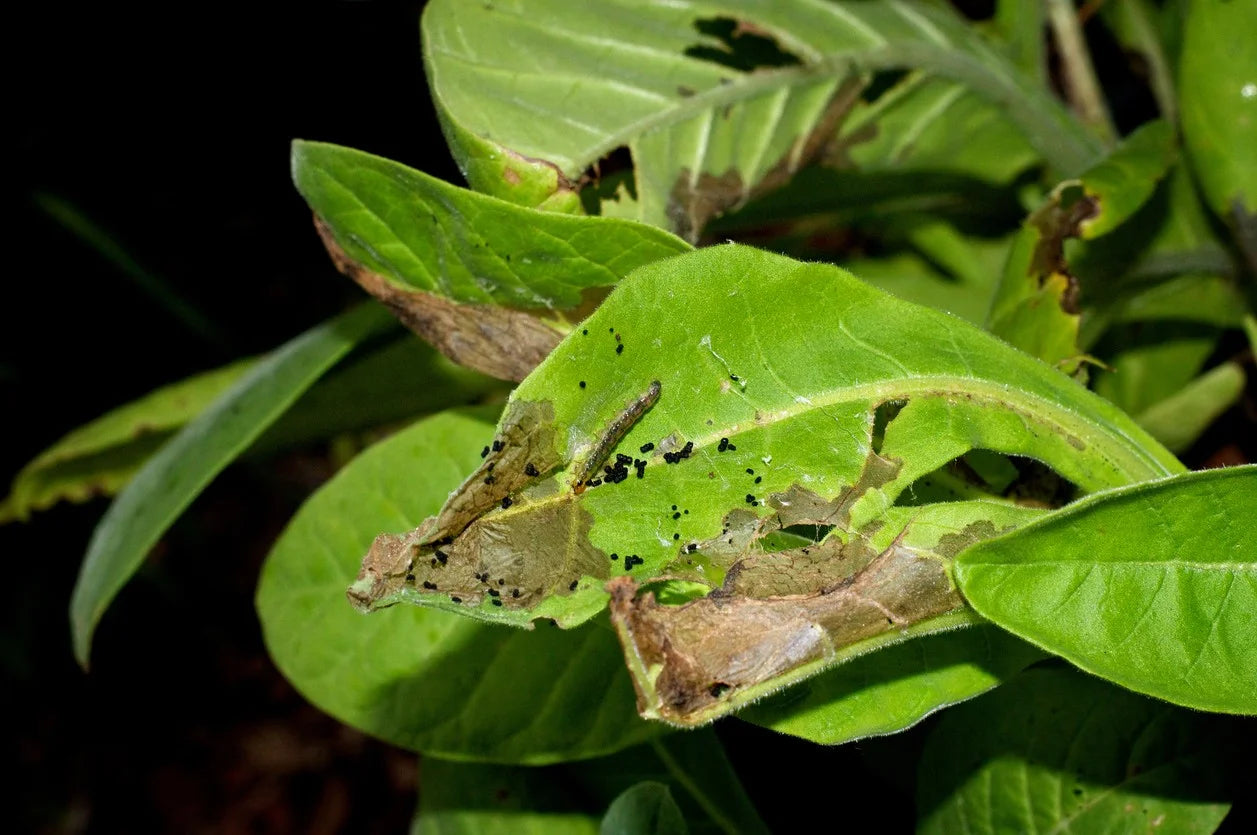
[(649, 706), (1141, 463)]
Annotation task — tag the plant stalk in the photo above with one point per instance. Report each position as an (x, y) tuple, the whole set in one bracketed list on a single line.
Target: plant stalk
[(1081, 87)]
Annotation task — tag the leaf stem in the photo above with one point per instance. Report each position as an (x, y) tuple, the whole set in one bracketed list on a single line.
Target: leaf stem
[(1081, 87)]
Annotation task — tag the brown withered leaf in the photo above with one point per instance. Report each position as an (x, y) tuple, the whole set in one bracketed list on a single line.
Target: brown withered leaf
[(695, 200), (1057, 220), (775, 615), (476, 542), (494, 340)]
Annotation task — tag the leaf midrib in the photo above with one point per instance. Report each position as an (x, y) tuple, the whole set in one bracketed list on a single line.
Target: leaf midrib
[(935, 386), (1065, 145)]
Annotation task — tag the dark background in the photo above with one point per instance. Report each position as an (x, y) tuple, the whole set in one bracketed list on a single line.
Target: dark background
[(169, 131), (168, 127)]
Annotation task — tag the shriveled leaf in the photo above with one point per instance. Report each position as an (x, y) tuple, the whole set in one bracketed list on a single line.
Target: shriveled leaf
[(181, 469), (419, 678), (714, 100), (887, 691), (1152, 586), (461, 268), (1057, 751), (97, 459), (1037, 305), (746, 389), (645, 809), (1219, 107)]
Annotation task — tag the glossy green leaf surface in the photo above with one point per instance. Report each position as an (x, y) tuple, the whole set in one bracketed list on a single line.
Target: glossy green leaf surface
[(645, 809), (1058, 751), (714, 100), (893, 689), (100, 457), (770, 375), (1218, 66), (172, 478), (1152, 586), (424, 234), (419, 678)]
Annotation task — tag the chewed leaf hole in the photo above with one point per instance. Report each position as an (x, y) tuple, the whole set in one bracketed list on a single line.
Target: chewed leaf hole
[(610, 178), (882, 83), (744, 46), (982, 473), (795, 536), (882, 417)]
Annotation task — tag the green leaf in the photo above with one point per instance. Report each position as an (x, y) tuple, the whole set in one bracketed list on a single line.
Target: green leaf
[(645, 809), (1219, 106), (1021, 29), (401, 379), (714, 100), (887, 691), (485, 281), (420, 678), (1178, 420), (424, 234), (1150, 361), (172, 478), (1152, 586), (1036, 306), (774, 373), (100, 457), (931, 124), (1056, 751), (1118, 185), (481, 799)]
